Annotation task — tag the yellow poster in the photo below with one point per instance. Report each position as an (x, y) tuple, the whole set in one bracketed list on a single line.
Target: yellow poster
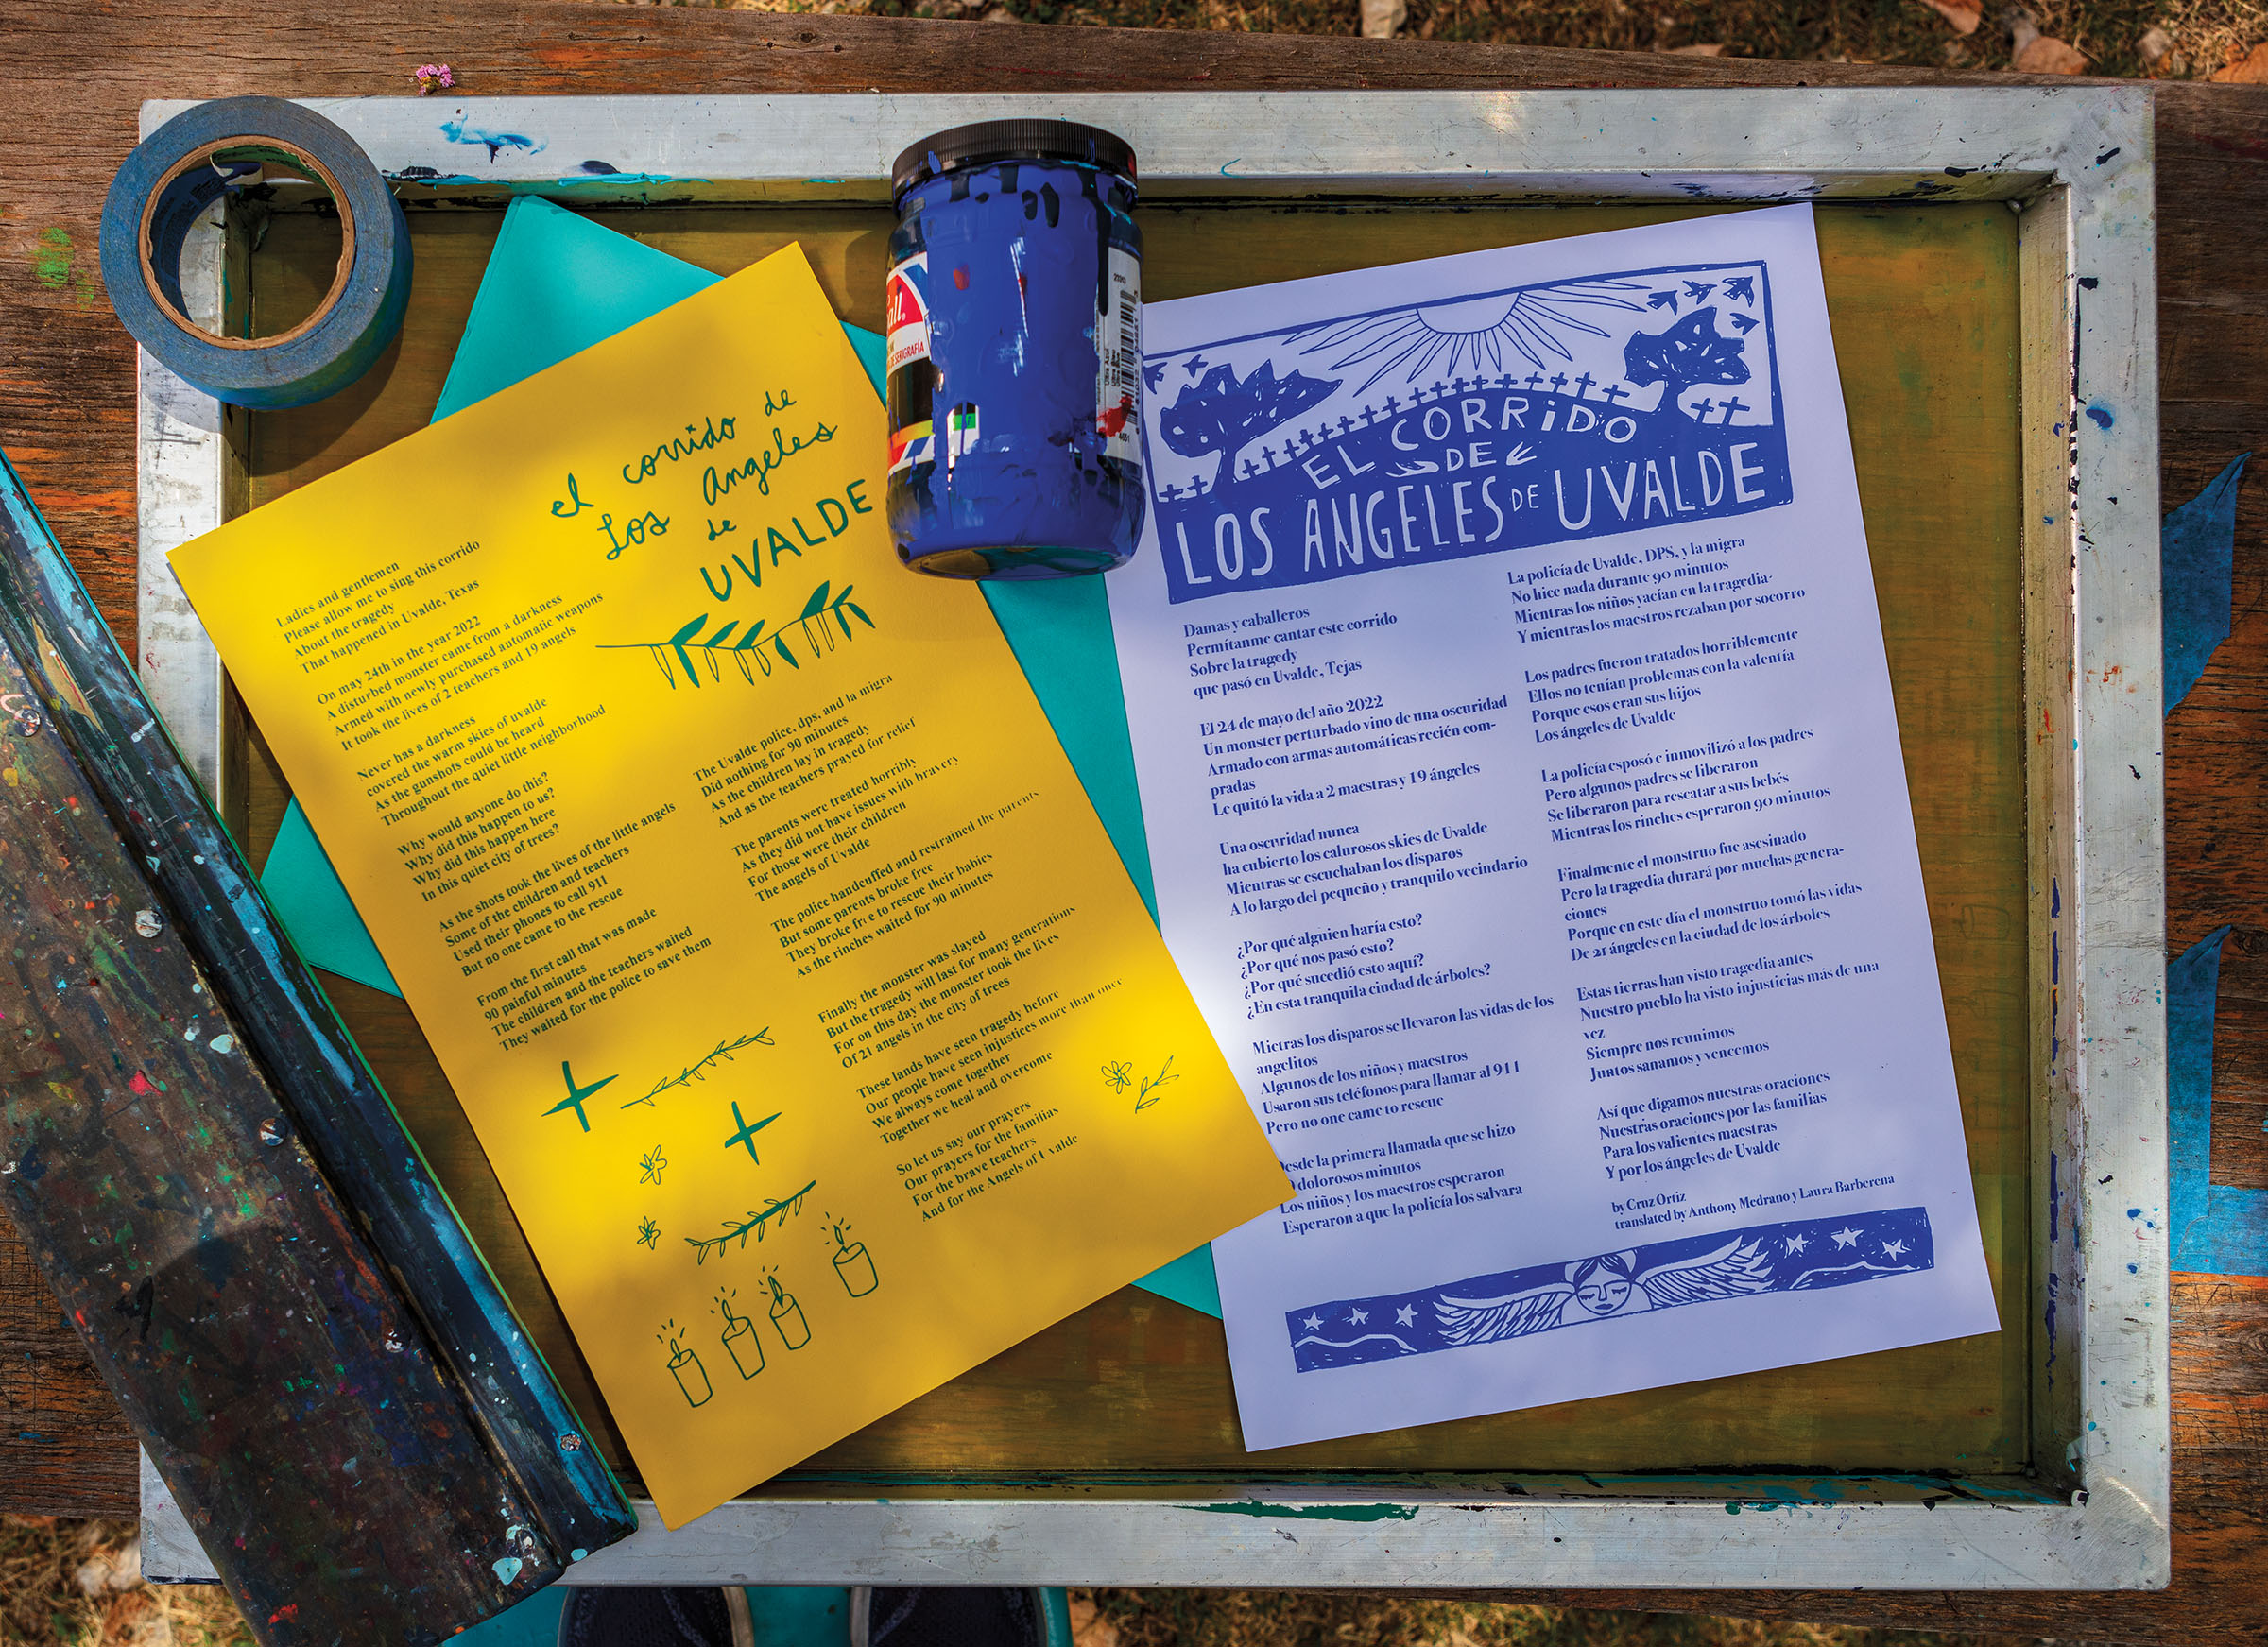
[(815, 1033)]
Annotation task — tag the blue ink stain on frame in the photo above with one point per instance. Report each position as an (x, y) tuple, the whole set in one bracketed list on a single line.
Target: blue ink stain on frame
[(2103, 417), (2196, 552), (495, 141)]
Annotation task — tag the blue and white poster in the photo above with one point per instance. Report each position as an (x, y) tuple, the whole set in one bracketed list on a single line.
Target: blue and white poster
[(1526, 808)]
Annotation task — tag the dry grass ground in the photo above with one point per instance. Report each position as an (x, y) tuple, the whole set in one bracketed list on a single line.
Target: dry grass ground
[(77, 1583), (2193, 38), (1306, 1618)]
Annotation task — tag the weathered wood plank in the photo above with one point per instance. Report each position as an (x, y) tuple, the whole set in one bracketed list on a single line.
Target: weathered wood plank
[(66, 1448)]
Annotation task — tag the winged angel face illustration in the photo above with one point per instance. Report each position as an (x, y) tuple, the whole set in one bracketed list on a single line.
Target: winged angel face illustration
[(1609, 1284)]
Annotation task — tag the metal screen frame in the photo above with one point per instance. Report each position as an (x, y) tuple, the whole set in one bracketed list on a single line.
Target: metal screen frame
[(2075, 163)]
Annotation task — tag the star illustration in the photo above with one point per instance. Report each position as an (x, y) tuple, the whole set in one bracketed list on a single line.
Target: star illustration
[(745, 1136), (1893, 1249), (1797, 1244), (577, 1095), (1356, 1317), (1406, 1315), (1312, 1323), (650, 1234), (651, 1165), (1847, 1236)]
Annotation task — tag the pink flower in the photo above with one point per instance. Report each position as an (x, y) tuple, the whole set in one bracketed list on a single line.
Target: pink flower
[(433, 77)]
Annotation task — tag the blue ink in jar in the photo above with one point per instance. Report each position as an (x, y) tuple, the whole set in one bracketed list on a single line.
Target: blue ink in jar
[(1015, 352)]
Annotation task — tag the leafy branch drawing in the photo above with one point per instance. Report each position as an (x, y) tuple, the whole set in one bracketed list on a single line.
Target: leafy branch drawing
[(1222, 412), (739, 1229), (1151, 1083), (698, 1072), (753, 649), (1691, 352)]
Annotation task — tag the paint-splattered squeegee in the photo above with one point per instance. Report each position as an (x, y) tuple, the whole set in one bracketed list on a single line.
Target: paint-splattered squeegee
[(263, 1267)]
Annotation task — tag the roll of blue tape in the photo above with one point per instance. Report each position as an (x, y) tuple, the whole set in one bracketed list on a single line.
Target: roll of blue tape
[(184, 166)]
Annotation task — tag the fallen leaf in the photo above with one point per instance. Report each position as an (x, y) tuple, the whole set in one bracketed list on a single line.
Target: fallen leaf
[(1088, 1628), (110, 1571), (2046, 55), (1963, 15), (2250, 69)]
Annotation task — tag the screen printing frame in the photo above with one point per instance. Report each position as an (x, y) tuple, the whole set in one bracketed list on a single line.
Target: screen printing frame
[(2075, 165)]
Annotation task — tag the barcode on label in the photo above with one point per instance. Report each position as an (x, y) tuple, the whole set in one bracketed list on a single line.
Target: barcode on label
[(1118, 349), (1129, 341)]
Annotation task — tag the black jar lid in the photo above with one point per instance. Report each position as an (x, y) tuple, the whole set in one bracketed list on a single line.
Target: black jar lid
[(990, 142)]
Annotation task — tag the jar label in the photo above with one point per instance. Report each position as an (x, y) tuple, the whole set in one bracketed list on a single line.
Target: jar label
[(907, 304), (1118, 359), (905, 341)]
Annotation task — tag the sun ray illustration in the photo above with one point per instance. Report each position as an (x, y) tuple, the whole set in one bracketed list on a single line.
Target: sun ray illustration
[(1471, 336)]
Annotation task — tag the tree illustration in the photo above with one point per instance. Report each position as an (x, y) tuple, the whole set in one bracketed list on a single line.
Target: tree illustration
[(1220, 413), (1690, 353)]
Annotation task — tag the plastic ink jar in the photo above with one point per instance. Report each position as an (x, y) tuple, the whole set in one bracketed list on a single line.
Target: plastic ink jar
[(1015, 352)]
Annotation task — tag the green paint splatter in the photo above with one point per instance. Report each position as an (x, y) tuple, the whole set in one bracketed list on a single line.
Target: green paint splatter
[(1314, 1512), (51, 263), (55, 262)]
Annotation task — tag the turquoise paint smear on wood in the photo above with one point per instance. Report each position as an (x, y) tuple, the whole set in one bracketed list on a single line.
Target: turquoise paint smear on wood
[(556, 284), (2217, 1230), (2214, 1228), (2197, 547)]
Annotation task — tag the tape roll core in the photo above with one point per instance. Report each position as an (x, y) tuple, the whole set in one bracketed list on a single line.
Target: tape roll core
[(275, 150), (157, 202)]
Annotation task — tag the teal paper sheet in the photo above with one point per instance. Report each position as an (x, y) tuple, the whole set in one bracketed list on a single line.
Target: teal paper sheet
[(557, 284), (308, 897)]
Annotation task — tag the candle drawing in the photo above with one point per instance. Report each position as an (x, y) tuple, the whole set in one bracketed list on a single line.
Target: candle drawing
[(787, 1315)]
